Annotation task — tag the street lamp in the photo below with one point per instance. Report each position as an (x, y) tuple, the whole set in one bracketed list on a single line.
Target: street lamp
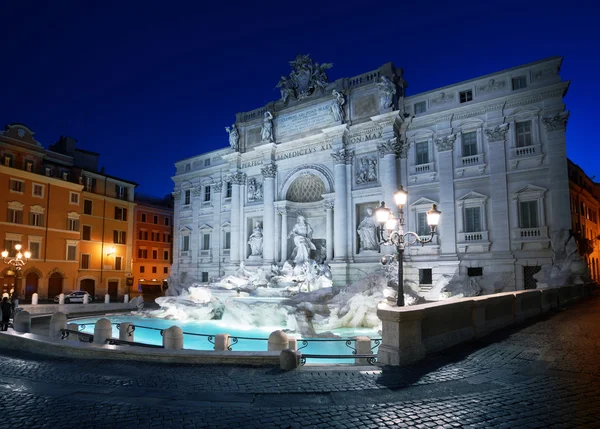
[(391, 233), (17, 262)]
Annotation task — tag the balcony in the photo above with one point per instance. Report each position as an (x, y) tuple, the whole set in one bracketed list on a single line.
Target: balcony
[(422, 168), (531, 238), (473, 242), (422, 172), (526, 156), (473, 163)]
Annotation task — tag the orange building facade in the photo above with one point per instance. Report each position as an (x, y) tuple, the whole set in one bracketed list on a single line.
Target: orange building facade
[(585, 209), (153, 246), (76, 221)]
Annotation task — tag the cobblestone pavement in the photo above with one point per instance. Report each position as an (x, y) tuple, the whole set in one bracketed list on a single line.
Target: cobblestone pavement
[(546, 374)]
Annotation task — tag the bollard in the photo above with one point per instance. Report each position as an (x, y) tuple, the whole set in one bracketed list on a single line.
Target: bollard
[(363, 347), (34, 299), (61, 299), (293, 344), (126, 298), (173, 338), (102, 331), (289, 360), (278, 341), (22, 322), (222, 342), (107, 299), (86, 299), (58, 321), (126, 331)]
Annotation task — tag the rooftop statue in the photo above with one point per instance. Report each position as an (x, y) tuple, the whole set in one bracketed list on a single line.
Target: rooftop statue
[(305, 78), (234, 137)]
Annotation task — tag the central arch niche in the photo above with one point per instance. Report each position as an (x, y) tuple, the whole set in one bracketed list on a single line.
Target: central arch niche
[(307, 188)]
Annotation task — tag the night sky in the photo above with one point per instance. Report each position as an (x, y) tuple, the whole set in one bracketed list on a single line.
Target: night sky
[(148, 83)]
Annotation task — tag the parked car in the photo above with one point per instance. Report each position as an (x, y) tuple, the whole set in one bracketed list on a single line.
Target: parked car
[(75, 296)]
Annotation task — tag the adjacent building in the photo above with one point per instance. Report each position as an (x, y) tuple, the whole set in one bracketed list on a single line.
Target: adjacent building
[(490, 152), (153, 246), (76, 220), (585, 206)]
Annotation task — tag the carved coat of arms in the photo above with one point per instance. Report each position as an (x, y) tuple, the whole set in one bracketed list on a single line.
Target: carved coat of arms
[(305, 78)]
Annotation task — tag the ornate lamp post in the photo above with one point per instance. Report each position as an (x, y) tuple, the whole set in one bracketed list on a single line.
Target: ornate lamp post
[(17, 262), (391, 233)]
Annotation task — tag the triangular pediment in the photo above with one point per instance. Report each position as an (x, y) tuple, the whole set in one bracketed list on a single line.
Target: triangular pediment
[(423, 202), (473, 196), (205, 227), (226, 225), (185, 229), (530, 189)]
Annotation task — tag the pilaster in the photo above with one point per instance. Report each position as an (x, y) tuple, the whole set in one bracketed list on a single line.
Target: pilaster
[(269, 171), (447, 226)]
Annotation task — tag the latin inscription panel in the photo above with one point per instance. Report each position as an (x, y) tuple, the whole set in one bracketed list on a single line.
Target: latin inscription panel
[(303, 120)]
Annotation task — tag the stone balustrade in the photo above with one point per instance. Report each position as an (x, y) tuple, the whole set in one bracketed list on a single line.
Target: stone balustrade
[(410, 333)]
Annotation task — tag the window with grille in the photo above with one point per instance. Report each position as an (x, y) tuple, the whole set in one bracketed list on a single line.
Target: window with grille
[(528, 272), (528, 214), (425, 276), (422, 151), (473, 219), (523, 133), (466, 96), (475, 271), (469, 144)]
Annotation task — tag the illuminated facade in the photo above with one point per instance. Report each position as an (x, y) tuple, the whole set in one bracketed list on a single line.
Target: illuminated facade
[(75, 220), (490, 152)]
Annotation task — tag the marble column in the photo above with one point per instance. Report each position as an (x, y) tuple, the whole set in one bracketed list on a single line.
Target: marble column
[(499, 216), (284, 228), (329, 229), (269, 171), (388, 151), (237, 180), (350, 223), (446, 172), (556, 148), (217, 239), (340, 237)]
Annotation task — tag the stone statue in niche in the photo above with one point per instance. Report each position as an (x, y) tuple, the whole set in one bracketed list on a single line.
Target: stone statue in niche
[(337, 107), (255, 190), (302, 235), (266, 132), (367, 171), (234, 137), (256, 241), (387, 90), (367, 231)]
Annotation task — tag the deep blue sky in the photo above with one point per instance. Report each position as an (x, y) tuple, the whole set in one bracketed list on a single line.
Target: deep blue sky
[(148, 83)]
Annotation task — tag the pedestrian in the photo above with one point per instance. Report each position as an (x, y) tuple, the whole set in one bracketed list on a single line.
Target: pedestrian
[(6, 308)]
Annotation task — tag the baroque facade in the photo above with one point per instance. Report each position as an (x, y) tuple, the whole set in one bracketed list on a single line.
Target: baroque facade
[(490, 152)]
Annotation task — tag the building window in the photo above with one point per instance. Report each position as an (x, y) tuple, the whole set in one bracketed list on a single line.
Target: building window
[(85, 261), (73, 198), (17, 186), (422, 227), (185, 243), (37, 190), (87, 207), (167, 221), (187, 197), (422, 151), (142, 269), (66, 175), (207, 193), (469, 144), (36, 219), (475, 271), (167, 238), (9, 245), (120, 213), (120, 237), (118, 263), (121, 192), (519, 82), (473, 219), (143, 217), (143, 234), (165, 270), (420, 107), (528, 214), (523, 133), (207, 162), (187, 167), (466, 96), (86, 232), (73, 224), (29, 166), (228, 190), (204, 277), (153, 270), (34, 249), (89, 183), (7, 160), (15, 215), (165, 255), (71, 252), (143, 253), (205, 241), (155, 254), (155, 220), (425, 276), (227, 240), (48, 171)]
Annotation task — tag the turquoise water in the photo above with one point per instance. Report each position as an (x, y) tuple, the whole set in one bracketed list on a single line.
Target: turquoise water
[(257, 337)]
